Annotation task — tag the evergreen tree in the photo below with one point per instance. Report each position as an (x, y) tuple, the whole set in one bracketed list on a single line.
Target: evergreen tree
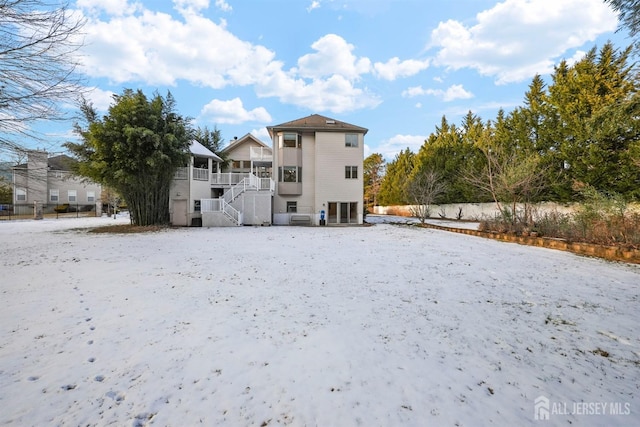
[(446, 152), (135, 149), (598, 88), (393, 186), (212, 139), (6, 191), (374, 166)]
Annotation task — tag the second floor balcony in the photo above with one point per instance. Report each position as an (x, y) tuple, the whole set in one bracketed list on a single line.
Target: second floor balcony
[(261, 154), (197, 174)]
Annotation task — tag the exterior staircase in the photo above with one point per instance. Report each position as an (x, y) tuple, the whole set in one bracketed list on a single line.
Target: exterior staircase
[(224, 204)]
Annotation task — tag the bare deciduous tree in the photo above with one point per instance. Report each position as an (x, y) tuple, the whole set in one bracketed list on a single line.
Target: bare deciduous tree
[(508, 178), (422, 190), (39, 40)]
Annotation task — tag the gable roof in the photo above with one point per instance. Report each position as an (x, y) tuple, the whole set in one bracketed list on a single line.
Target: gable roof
[(316, 122), (200, 150), (246, 138)]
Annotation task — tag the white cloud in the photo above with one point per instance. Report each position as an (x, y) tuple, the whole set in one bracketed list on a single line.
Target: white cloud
[(111, 7), (518, 38), (192, 6), (262, 134), (395, 68), (101, 99), (159, 50), (223, 5), (333, 56), (336, 94), (391, 147), (452, 93), (233, 112), (314, 5), (576, 57)]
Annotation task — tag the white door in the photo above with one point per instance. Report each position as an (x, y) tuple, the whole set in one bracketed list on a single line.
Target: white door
[(180, 213)]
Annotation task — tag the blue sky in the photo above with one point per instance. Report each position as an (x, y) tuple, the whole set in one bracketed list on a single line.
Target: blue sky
[(394, 67)]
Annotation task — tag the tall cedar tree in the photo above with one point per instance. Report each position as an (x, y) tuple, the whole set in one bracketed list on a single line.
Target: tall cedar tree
[(594, 101), (374, 166), (135, 149), (393, 187), (212, 139)]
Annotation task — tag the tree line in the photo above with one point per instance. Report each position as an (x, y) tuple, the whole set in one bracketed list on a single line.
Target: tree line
[(580, 130)]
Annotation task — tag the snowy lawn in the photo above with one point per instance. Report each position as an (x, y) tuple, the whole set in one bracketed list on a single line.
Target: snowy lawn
[(373, 326)]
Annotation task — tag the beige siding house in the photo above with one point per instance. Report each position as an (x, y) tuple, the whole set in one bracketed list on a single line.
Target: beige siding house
[(248, 155), (318, 165), (191, 184), (207, 193), (49, 182)]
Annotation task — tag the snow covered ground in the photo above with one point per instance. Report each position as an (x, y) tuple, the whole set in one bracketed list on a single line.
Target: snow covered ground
[(334, 326), (393, 219)]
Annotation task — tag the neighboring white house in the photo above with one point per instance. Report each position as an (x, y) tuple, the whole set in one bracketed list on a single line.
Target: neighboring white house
[(318, 162), (50, 182)]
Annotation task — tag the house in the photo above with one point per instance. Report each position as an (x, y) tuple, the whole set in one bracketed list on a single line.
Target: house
[(248, 155), (311, 176), (207, 193), (318, 163), (49, 182)]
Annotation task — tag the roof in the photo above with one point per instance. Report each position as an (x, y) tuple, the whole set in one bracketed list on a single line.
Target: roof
[(60, 163), (239, 141), (200, 150), (316, 122)]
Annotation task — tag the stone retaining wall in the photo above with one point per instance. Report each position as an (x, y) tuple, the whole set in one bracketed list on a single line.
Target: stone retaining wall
[(606, 252)]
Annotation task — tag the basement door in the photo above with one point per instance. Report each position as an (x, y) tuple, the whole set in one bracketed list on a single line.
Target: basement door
[(180, 213)]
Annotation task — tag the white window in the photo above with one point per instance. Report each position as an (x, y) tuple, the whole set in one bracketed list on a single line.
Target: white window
[(21, 195), (292, 140), (292, 207), (54, 195), (72, 195), (351, 140), (351, 172), (91, 196), (290, 174)]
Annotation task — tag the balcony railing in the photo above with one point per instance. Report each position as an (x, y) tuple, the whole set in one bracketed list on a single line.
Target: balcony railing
[(181, 173), (229, 178), (261, 154), (200, 174)]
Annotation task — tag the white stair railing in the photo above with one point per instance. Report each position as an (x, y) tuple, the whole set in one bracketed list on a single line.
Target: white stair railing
[(231, 212), (220, 205), (247, 183), (223, 204)]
